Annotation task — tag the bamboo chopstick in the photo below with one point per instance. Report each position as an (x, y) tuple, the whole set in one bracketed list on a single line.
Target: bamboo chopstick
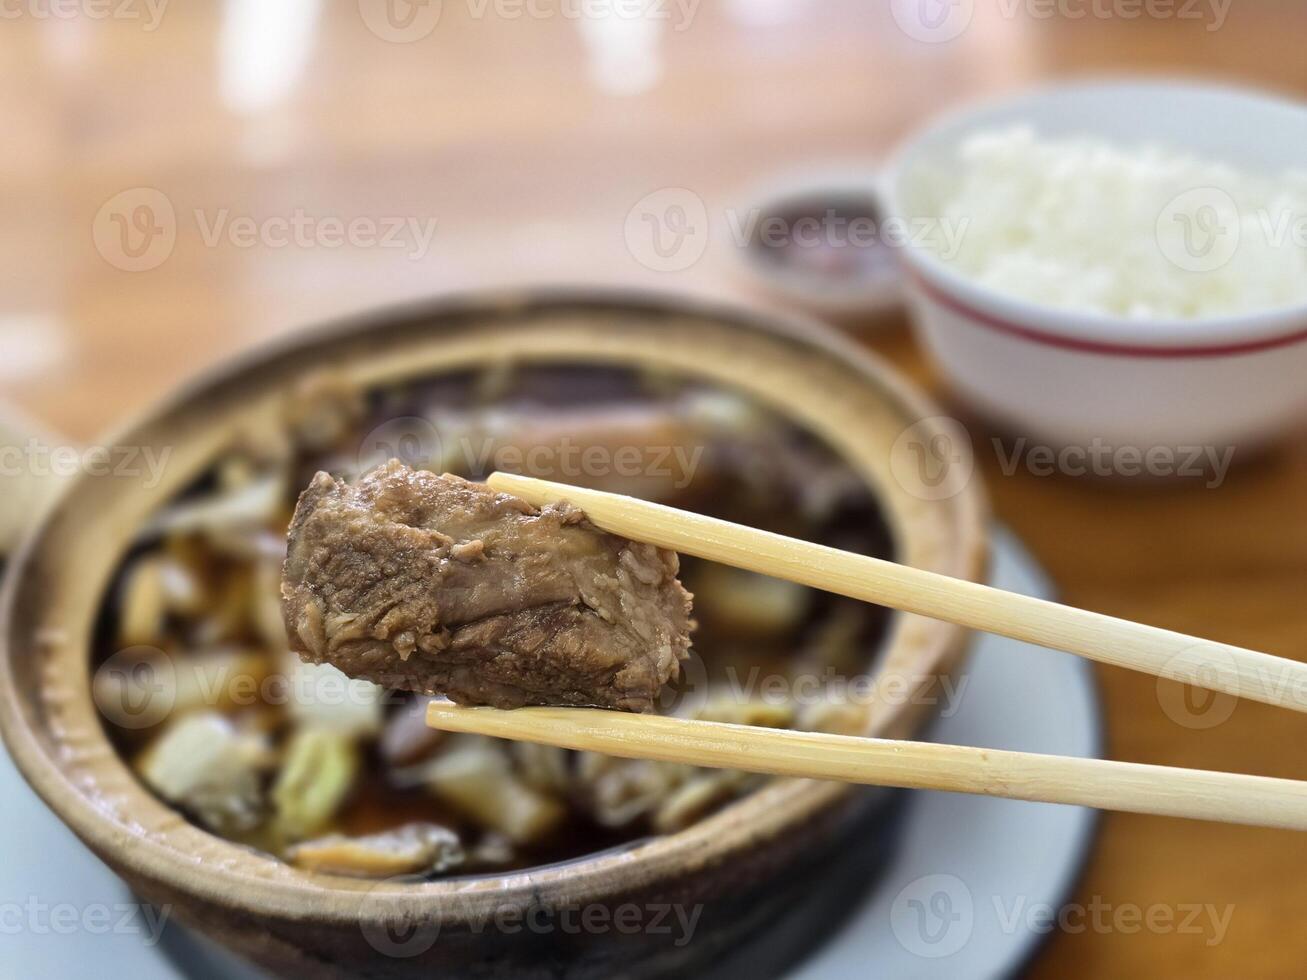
[(1259, 801), (1190, 660)]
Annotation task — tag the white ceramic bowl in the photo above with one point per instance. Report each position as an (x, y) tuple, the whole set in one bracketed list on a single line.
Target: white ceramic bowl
[(1071, 378)]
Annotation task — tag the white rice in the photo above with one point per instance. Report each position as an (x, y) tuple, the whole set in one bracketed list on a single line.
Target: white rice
[(1090, 225)]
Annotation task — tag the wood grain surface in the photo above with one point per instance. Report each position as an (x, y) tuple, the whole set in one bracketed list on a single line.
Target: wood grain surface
[(529, 141)]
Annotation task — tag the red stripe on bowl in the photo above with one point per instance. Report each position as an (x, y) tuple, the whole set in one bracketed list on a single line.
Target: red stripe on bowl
[(940, 295)]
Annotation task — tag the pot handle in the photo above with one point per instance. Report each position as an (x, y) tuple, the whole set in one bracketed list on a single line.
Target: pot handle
[(28, 482)]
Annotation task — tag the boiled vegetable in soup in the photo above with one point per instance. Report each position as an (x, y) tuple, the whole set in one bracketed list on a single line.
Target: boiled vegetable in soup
[(340, 775)]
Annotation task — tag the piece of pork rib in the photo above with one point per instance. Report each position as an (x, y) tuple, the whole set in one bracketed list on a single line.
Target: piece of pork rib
[(439, 585)]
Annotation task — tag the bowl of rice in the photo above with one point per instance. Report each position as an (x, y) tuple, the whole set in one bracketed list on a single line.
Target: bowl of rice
[(1120, 263)]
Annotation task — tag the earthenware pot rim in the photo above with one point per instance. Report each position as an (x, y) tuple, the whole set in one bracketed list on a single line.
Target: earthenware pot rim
[(292, 894)]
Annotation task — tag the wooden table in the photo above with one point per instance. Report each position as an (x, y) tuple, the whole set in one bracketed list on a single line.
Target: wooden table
[(515, 137)]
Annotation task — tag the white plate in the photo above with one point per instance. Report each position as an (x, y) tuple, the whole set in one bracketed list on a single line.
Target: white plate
[(983, 863), (964, 894)]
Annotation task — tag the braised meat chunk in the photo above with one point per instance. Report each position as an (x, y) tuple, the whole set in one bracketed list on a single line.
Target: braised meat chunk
[(439, 585)]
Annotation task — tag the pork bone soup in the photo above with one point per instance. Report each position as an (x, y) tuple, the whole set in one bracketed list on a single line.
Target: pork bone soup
[(200, 692)]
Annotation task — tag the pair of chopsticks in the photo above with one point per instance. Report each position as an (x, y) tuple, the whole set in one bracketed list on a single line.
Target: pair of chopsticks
[(1132, 787)]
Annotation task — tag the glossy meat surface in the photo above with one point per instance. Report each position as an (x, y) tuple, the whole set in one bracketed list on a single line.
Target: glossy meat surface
[(440, 585)]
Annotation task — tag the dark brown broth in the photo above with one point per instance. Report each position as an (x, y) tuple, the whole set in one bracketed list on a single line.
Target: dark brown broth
[(732, 483)]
